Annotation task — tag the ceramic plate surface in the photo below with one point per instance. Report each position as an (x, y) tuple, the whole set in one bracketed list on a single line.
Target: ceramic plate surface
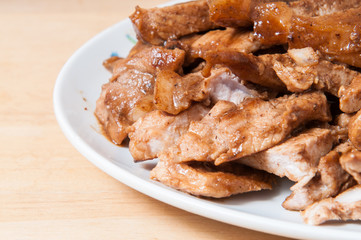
[(77, 88)]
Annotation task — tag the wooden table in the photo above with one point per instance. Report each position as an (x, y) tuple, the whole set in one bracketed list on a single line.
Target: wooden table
[(47, 189)]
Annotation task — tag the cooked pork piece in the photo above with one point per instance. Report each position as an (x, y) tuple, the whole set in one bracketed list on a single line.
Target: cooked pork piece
[(296, 158), (205, 179), (327, 182), (313, 8), (226, 86), (300, 69), (175, 93), (197, 45), (239, 40), (276, 22), (339, 129), (250, 68), (350, 96), (157, 25), (234, 13), (346, 206), (129, 93), (229, 132), (354, 130), (158, 130), (351, 162), (336, 36)]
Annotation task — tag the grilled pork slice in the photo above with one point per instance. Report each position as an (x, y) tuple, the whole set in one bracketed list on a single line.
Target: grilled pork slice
[(234, 13), (313, 8), (205, 179), (335, 35), (351, 162), (129, 93), (229, 132), (250, 68), (346, 206), (157, 25), (301, 69), (350, 96), (175, 93), (298, 70), (239, 40), (198, 45), (158, 130), (296, 158), (327, 182), (354, 130)]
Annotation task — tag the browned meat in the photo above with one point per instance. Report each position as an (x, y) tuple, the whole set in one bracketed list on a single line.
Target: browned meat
[(229, 132), (336, 36), (175, 93), (205, 179), (231, 39), (272, 22), (313, 8), (301, 69), (327, 182), (197, 45), (351, 162), (346, 206), (234, 13), (277, 22), (298, 70), (160, 24), (350, 96), (157, 131), (297, 158), (129, 94), (340, 128), (247, 67), (354, 130)]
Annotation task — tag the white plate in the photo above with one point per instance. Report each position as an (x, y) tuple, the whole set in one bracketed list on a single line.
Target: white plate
[(76, 91)]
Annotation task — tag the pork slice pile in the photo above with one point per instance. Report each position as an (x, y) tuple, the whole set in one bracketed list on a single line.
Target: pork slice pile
[(229, 96)]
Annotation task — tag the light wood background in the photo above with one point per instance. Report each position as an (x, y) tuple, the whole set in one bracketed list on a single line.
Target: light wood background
[(47, 189)]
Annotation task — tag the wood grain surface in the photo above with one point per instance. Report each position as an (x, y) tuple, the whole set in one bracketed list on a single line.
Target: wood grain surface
[(47, 189)]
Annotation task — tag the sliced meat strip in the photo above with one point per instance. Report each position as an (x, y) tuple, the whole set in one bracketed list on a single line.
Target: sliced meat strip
[(207, 180), (129, 93), (327, 182), (157, 25), (350, 96), (175, 93), (301, 69), (238, 40), (197, 46), (351, 162), (346, 206), (336, 36), (234, 13), (250, 68), (157, 131), (277, 22), (313, 8), (229, 132), (297, 158), (354, 130)]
